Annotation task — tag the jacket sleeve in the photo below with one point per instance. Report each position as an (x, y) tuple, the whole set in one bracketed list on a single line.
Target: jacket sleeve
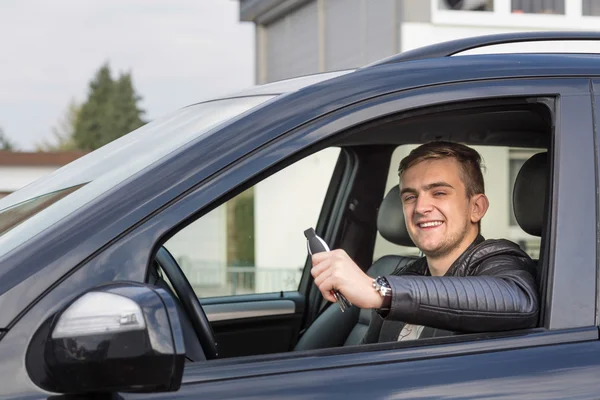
[(502, 295)]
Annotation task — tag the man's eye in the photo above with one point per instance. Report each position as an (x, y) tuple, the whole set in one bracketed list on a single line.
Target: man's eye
[(409, 198), (438, 194)]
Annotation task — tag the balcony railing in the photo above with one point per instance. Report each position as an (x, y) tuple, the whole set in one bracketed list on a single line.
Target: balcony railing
[(214, 279)]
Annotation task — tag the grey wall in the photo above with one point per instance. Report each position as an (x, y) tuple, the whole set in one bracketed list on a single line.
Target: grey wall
[(591, 7), (292, 44), (327, 35), (416, 10)]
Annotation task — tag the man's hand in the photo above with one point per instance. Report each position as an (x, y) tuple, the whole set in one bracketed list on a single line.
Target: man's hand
[(336, 270)]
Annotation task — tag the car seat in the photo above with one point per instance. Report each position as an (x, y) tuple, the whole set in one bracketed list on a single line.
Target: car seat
[(334, 328)]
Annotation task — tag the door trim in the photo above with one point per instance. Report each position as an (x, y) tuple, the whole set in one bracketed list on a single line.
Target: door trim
[(253, 309)]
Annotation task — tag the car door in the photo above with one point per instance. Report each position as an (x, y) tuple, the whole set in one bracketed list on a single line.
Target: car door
[(566, 345), (553, 361)]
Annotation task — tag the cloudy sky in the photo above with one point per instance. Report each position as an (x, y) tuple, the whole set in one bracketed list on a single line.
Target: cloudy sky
[(179, 52)]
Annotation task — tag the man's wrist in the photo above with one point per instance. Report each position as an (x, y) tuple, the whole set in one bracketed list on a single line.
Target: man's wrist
[(384, 290)]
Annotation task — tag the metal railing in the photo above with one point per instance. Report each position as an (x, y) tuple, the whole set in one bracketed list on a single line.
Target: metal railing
[(210, 279)]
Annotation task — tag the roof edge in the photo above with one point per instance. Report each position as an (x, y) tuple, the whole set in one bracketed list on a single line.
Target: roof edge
[(59, 158), (266, 11)]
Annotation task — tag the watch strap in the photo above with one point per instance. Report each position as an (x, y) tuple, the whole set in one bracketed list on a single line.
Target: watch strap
[(381, 285)]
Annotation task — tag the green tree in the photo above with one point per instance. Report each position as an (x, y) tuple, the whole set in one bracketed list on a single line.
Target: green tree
[(110, 111), (6, 143), (128, 116), (63, 132)]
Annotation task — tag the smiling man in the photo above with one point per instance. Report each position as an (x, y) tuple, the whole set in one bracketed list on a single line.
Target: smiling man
[(463, 283)]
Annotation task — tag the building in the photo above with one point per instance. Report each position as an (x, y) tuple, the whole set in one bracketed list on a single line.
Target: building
[(18, 169), (298, 37)]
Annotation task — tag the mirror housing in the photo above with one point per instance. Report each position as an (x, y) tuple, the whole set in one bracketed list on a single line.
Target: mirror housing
[(121, 337)]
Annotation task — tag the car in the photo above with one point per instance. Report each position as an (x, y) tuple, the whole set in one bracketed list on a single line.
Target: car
[(125, 273)]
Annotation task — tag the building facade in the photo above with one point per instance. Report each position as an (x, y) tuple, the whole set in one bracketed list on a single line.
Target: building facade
[(298, 37), (18, 169)]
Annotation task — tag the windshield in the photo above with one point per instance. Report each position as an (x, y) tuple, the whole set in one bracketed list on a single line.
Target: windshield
[(42, 203)]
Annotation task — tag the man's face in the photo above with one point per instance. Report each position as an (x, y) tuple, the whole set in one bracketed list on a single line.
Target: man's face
[(436, 207)]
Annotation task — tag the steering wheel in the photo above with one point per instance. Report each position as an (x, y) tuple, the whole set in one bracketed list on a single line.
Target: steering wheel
[(189, 302)]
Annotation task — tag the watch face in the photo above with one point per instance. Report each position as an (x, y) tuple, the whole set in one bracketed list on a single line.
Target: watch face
[(381, 281)]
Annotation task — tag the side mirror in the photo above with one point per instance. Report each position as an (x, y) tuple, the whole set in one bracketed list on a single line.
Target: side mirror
[(122, 337)]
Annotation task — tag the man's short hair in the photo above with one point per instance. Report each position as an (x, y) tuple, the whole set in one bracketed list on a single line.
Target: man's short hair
[(468, 159)]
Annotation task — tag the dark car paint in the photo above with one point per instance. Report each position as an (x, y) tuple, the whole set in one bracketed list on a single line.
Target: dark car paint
[(568, 371), (596, 118), (133, 217)]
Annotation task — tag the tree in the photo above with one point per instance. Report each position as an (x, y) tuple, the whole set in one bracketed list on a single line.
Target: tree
[(110, 111), (6, 143), (63, 133)]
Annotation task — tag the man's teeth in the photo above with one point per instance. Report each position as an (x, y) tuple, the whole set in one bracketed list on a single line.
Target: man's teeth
[(428, 224)]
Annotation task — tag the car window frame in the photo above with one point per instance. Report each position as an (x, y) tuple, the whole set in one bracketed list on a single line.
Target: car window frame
[(595, 86), (324, 128)]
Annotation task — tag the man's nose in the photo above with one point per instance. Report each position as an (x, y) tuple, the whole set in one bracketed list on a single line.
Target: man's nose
[(423, 205)]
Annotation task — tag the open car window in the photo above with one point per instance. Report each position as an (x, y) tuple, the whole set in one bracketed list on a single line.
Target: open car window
[(254, 242), (501, 166)]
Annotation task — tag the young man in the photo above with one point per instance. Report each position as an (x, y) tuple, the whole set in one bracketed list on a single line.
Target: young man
[(463, 283)]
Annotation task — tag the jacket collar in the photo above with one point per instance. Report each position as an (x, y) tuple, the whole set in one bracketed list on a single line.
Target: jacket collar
[(420, 266), (461, 259)]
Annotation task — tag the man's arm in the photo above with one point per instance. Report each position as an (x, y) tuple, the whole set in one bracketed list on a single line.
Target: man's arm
[(502, 296)]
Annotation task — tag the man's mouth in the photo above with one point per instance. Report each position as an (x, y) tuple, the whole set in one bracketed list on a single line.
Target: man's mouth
[(430, 224)]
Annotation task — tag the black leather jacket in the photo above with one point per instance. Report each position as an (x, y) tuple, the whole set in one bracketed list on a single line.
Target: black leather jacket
[(490, 287)]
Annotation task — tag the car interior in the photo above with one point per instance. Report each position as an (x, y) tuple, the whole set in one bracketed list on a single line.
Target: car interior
[(359, 207)]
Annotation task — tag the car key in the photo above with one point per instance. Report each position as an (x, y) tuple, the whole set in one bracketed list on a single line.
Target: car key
[(315, 245)]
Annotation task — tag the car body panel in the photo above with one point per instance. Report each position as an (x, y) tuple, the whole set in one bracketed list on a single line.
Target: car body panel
[(573, 238), (596, 116), (568, 371), (287, 85)]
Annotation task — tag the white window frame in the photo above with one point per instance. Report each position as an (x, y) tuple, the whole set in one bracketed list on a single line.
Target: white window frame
[(502, 17)]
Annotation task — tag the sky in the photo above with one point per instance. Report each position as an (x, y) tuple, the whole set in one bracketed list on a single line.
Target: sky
[(178, 52)]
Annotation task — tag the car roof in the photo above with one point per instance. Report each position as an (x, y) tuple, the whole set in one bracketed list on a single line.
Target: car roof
[(444, 49), (286, 85)]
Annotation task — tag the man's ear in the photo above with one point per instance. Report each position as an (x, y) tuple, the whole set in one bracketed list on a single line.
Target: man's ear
[(479, 206)]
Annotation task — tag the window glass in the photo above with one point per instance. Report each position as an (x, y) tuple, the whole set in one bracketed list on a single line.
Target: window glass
[(466, 5), (590, 7), (254, 243), (501, 166), (538, 6)]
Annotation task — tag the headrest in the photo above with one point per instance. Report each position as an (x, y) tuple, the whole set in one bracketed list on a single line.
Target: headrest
[(390, 220), (529, 195)]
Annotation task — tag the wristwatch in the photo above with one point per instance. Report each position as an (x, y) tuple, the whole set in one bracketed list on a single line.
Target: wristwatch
[(381, 285)]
